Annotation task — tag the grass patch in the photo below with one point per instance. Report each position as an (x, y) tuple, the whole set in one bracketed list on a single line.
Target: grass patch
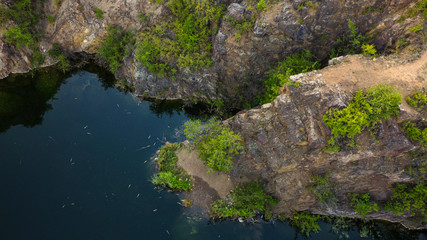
[(217, 143), (409, 200), (245, 201), (364, 112), (115, 47), (301, 62), (169, 174)]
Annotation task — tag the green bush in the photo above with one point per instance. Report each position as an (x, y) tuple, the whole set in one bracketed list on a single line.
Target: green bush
[(365, 111), (323, 188), (409, 200), (115, 47), (306, 222), (261, 5), (191, 23), (169, 174), (418, 100), (246, 201), (297, 63), (415, 133), (99, 13), (369, 50), (361, 204), (57, 53)]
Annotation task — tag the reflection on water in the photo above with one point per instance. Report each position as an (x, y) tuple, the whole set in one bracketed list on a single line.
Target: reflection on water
[(83, 169)]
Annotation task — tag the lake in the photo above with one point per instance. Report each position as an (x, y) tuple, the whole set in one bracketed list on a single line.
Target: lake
[(76, 164)]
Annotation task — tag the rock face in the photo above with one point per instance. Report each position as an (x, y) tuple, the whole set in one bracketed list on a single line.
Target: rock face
[(285, 139), (238, 66)]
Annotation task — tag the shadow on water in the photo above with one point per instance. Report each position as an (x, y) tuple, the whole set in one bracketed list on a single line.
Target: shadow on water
[(24, 98)]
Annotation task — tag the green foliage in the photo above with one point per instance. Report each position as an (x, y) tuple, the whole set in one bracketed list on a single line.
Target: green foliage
[(169, 174), (415, 133), (365, 111), (57, 53), (26, 33), (115, 47), (306, 222), (361, 204), (51, 19), (192, 23), (193, 130), (301, 62), (412, 201), (99, 13), (351, 43), (401, 44), (418, 167), (58, 3), (20, 36), (261, 5), (143, 17), (419, 8), (369, 50), (323, 188), (418, 100), (416, 29), (245, 201)]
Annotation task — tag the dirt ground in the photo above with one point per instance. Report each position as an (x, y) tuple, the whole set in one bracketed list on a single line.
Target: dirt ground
[(208, 187)]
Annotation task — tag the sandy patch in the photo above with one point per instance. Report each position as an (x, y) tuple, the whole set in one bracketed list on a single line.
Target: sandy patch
[(191, 163)]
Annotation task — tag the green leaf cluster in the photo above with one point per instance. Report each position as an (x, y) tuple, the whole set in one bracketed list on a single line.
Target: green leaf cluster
[(306, 222), (57, 53), (26, 32), (411, 200), (365, 111), (419, 8), (418, 100), (415, 133), (184, 41), (323, 188), (352, 42), (361, 204), (245, 201), (296, 63), (115, 47), (217, 145), (169, 174), (99, 13)]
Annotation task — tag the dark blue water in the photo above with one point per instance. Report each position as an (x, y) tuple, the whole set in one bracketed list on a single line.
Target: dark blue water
[(75, 164)]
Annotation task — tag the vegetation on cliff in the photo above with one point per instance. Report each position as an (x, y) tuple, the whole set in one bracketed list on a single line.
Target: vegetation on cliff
[(115, 47), (192, 24), (245, 201), (301, 62), (217, 143), (364, 112), (169, 174)]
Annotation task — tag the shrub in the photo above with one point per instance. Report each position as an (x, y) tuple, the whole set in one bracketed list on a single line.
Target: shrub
[(369, 50), (217, 145), (417, 100), (323, 188), (306, 222), (115, 47), (261, 5), (20, 36), (246, 201), (365, 111), (361, 204), (409, 200), (415, 133), (169, 174), (57, 53), (277, 77), (98, 13), (190, 47)]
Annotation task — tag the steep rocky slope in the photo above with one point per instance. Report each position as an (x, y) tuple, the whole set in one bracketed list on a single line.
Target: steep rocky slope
[(239, 63), (285, 139)]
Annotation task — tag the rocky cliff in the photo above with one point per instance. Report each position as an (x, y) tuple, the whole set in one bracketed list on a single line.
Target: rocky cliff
[(283, 139), (239, 63)]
